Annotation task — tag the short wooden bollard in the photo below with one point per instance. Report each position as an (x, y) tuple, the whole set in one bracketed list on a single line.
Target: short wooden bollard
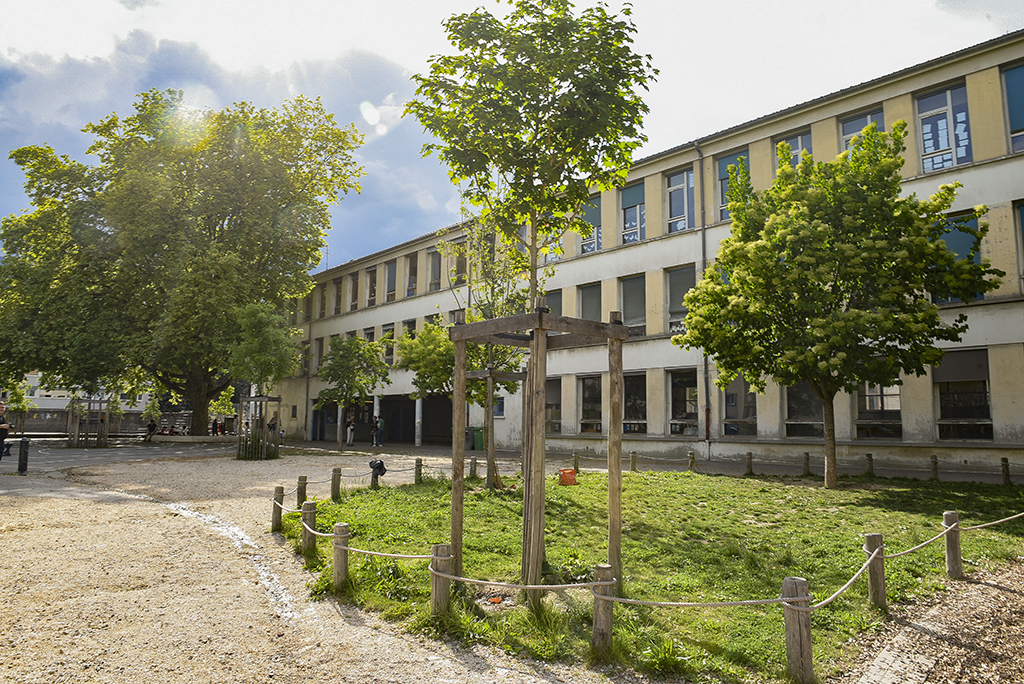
[(374, 480), (750, 463), (691, 460), (336, 483), (440, 587), (601, 639), (418, 476), (472, 467), (876, 571), (300, 491), (340, 542), (800, 664), (871, 463), (308, 520), (1006, 471), (275, 513), (576, 461), (632, 461), (954, 562), (807, 463), (935, 467)]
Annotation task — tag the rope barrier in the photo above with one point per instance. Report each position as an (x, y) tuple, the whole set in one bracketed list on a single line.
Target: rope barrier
[(378, 553), (839, 592), (941, 534), (285, 508), (309, 482), (517, 587), (978, 527), (705, 604)]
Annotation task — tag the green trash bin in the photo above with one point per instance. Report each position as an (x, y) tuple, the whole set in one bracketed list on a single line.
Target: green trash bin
[(478, 439)]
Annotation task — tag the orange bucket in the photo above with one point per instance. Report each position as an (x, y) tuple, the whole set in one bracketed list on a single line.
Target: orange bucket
[(567, 476)]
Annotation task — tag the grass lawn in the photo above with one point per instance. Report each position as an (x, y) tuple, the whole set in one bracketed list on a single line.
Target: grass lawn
[(686, 537)]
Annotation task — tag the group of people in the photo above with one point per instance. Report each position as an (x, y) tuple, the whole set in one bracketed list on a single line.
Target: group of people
[(376, 431)]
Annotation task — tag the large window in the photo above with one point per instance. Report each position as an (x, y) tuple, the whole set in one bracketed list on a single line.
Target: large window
[(337, 295), (368, 334), (590, 405), (945, 129), (855, 124), (318, 354), (804, 413), (680, 281), (321, 293), (740, 409), (878, 412), (634, 219), (634, 305), (798, 142), (307, 307), (387, 331), (461, 268), (1014, 79), (371, 286), (553, 406), (410, 275), (723, 180), (390, 283), (592, 215), (353, 292), (683, 418), (590, 302), (681, 213), (554, 299), (960, 242), (634, 405), (962, 392), (434, 270)]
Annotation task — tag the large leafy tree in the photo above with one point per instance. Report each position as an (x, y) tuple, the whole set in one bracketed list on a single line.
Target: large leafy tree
[(353, 368), (267, 352), (830, 276), (149, 258), (534, 112)]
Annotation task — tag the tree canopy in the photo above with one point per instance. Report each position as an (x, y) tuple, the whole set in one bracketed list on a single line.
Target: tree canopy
[(148, 258), (352, 368), (534, 112), (830, 276)]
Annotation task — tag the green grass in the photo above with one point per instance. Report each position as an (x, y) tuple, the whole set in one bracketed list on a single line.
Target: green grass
[(686, 537)]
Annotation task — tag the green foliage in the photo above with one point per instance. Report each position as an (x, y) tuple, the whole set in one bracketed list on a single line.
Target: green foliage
[(152, 409), (17, 399), (353, 368), (267, 352), (534, 111), (222, 405)]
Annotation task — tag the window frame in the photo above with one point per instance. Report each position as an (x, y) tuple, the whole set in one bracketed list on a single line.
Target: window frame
[(637, 324), (411, 268), (951, 118), (868, 117), (963, 428), (801, 427), (1016, 135), (371, 287), (744, 425), (638, 232), (390, 280), (723, 182), (591, 211), (803, 142), (677, 314), (339, 297), (587, 425), (553, 409), (353, 291), (590, 287), (683, 423), (685, 190), (885, 422), (434, 268), (634, 417)]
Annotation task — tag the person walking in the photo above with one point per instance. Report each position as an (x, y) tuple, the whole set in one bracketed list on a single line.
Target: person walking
[(350, 429), (5, 448), (380, 431), (374, 426)]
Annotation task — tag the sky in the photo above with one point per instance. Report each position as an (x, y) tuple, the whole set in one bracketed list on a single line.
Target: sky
[(65, 63)]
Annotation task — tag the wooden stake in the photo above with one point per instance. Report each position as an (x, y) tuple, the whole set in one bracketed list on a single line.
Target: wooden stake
[(615, 383), (336, 483), (458, 447), (275, 513), (300, 491), (536, 494), (440, 587), (798, 631), (954, 561), (601, 639), (308, 519), (876, 572), (341, 537)]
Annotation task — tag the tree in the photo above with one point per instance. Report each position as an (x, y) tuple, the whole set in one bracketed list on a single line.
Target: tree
[(267, 351), (534, 112), (830, 276), (353, 368), (149, 258)]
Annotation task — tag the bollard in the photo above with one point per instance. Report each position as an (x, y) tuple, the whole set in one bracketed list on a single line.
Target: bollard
[(871, 463), (750, 463), (23, 456), (632, 461), (336, 483), (418, 477), (472, 467), (807, 463), (340, 542), (308, 520), (601, 639), (275, 513), (954, 562), (935, 467), (576, 461), (300, 492), (800, 664), (440, 587), (691, 460), (1006, 471), (374, 484), (876, 571)]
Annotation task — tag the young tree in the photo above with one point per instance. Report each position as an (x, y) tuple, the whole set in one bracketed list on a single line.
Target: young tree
[(148, 258), (266, 353), (354, 368), (830, 276)]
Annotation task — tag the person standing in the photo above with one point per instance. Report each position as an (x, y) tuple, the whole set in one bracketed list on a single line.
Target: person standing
[(374, 425), (5, 449), (380, 431), (350, 429)]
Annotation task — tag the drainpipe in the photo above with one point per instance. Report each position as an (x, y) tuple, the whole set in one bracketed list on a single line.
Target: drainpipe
[(703, 268)]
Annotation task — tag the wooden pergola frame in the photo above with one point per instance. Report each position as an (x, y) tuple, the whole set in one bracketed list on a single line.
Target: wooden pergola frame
[(508, 331), (79, 408)]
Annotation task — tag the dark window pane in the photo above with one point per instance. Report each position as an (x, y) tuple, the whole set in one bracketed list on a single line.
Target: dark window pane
[(590, 302), (930, 102), (1015, 98)]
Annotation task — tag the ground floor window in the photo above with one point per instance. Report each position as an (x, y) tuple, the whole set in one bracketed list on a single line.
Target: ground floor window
[(740, 409), (634, 405), (683, 403), (553, 406), (590, 405), (962, 393), (804, 413), (878, 412)]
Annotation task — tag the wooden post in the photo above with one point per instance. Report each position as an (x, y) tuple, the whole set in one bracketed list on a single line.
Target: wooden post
[(458, 448), (341, 537), (800, 664), (1006, 471), (615, 456), (691, 460), (601, 639), (750, 463), (632, 461), (275, 509), (374, 480), (536, 495), (300, 491), (954, 561), (871, 463), (876, 571), (336, 483), (807, 463), (576, 461), (440, 587), (472, 466), (308, 519), (418, 477), (935, 467)]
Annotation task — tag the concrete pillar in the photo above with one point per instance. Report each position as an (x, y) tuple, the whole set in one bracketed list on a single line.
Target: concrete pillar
[(419, 422)]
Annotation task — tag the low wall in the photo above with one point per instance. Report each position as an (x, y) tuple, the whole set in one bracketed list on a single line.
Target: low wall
[(226, 439)]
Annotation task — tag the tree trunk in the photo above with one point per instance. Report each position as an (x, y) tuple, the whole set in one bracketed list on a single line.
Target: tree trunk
[(493, 479), (198, 395), (342, 428), (829, 419)]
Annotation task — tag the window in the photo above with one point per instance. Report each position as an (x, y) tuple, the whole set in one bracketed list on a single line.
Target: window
[(307, 307), (683, 402), (723, 181), (878, 412), (353, 292), (634, 216), (410, 275), (554, 299), (961, 387), (740, 409), (322, 296), (371, 286), (960, 242), (553, 406), (553, 252), (318, 351), (460, 264), (680, 281), (634, 305), (634, 404), (798, 142), (945, 129), (590, 302), (368, 334), (499, 407), (1014, 79), (305, 357), (592, 215), (390, 274), (387, 332), (350, 334), (590, 405), (433, 319), (295, 411), (855, 124), (409, 327), (434, 270), (804, 412), (681, 214), (337, 296)]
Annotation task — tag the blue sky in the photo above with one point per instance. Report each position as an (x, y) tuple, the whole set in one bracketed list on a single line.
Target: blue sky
[(65, 63)]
